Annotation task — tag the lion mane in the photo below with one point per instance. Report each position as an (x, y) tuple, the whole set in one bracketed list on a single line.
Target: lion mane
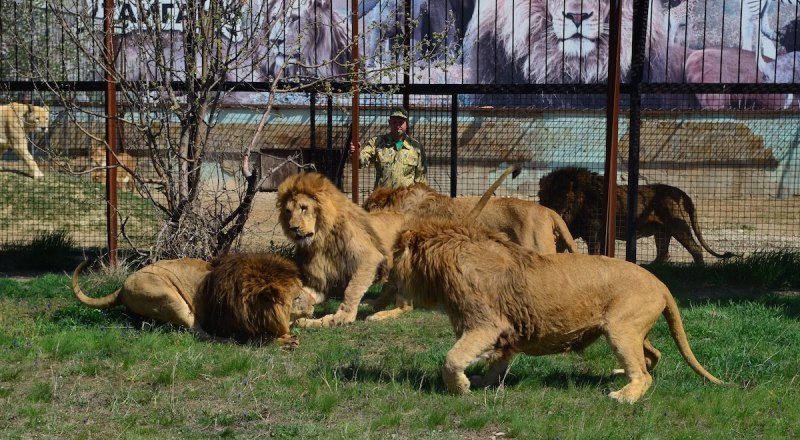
[(528, 224), (663, 211), (536, 38), (252, 296), (17, 121), (502, 299), (341, 249)]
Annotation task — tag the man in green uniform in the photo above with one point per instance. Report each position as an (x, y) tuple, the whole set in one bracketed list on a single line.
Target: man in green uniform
[(399, 159)]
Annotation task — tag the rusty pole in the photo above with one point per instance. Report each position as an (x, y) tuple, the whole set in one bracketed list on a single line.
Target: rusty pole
[(111, 132), (612, 126), (354, 89)]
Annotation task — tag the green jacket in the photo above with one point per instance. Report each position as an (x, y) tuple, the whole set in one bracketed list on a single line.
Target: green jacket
[(394, 167)]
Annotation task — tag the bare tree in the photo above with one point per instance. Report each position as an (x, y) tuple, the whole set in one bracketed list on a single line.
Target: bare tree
[(174, 66)]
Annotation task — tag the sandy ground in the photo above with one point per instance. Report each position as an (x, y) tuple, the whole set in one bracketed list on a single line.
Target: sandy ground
[(741, 227)]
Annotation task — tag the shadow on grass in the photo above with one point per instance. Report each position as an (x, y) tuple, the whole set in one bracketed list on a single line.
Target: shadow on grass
[(430, 383), (770, 278)]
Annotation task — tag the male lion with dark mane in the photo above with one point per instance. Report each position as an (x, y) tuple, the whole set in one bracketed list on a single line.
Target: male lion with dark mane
[(341, 248), (528, 224), (663, 211), (17, 121), (502, 299), (250, 296), (239, 296)]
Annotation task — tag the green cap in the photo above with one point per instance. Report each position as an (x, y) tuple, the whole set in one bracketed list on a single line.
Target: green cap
[(399, 112)]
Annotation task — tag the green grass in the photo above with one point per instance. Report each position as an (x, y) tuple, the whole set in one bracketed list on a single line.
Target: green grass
[(59, 202), (67, 371)]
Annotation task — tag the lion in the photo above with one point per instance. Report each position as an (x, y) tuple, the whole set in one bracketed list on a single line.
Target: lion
[(556, 41), (176, 291), (528, 224), (126, 168), (17, 121), (503, 299), (663, 212), (248, 296), (166, 290), (342, 249)]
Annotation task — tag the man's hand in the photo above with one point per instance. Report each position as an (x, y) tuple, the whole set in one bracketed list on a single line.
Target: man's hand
[(352, 148)]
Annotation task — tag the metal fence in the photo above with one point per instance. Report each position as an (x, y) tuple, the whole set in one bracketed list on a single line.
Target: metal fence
[(729, 141)]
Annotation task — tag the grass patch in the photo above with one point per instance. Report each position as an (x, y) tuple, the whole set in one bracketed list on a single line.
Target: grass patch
[(772, 269), (48, 250), (59, 202), (69, 371)]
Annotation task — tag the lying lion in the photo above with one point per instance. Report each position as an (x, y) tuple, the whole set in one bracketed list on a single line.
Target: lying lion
[(503, 299), (166, 290), (259, 294), (249, 296), (526, 223)]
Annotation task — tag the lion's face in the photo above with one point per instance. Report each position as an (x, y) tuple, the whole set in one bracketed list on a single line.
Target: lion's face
[(299, 219), (578, 25), (36, 118)]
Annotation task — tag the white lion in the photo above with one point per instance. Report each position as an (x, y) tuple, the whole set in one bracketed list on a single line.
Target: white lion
[(17, 121)]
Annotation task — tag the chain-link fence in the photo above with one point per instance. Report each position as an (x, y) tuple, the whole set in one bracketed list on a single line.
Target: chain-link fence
[(720, 123)]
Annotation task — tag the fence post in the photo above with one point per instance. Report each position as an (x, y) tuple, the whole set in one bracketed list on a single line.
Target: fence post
[(634, 126), (111, 132), (612, 126), (453, 145), (354, 90)]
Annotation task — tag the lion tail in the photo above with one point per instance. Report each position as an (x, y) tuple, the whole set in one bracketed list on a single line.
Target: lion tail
[(673, 317), (105, 302), (563, 231), (690, 209), (514, 170)]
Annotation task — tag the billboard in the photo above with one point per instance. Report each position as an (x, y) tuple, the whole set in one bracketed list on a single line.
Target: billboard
[(483, 41)]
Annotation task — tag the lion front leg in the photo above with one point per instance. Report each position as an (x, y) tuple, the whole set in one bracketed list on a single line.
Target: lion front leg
[(21, 148), (467, 349), (356, 288), (402, 305)]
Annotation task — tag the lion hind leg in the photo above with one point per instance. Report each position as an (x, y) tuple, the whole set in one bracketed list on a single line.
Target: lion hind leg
[(466, 350), (651, 355), (651, 358), (683, 233), (662, 238), (494, 374), (629, 352)]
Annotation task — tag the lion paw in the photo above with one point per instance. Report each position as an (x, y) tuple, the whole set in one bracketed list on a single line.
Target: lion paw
[(288, 342), (457, 383), (333, 320)]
